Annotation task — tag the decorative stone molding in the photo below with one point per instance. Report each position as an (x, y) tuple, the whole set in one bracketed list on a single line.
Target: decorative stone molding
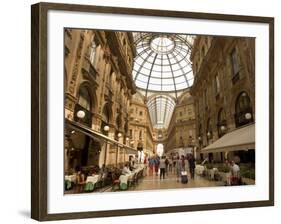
[(75, 70), (70, 101)]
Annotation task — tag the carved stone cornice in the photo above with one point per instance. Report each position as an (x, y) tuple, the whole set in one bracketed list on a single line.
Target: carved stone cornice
[(75, 70)]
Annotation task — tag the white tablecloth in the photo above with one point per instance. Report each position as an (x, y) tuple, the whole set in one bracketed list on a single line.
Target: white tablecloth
[(199, 169), (125, 177), (94, 179), (226, 177), (71, 178)]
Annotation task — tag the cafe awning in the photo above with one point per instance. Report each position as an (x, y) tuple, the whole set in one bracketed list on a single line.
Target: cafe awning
[(130, 150), (239, 139), (98, 136)]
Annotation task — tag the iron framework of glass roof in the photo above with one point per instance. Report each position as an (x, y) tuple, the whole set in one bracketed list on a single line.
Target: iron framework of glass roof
[(161, 108), (163, 62), (162, 65)]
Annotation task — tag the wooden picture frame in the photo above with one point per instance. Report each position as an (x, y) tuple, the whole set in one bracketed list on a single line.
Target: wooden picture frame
[(39, 108)]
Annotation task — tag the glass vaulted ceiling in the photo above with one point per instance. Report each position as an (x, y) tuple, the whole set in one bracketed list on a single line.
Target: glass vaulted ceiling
[(162, 65), (163, 62), (161, 108)]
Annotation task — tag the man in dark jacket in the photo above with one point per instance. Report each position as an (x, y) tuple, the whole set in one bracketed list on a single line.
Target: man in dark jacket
[(191, 166)]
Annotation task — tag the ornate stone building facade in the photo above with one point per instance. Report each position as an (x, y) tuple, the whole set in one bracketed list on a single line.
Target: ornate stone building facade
[(181, 132), (224, 95), (98, 88), (107, 119), (140, 126)]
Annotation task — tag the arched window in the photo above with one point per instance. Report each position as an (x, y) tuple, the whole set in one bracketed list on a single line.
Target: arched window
[(84, 104), (209, 132), (221, 125), (84, 99), (140, 135), (105, 114), (105, 119), (217, 84), (205, 98), (118, 121), (203, 51), (118, 126), (93, 49), (200, 135), (243, 110), (235, 66)]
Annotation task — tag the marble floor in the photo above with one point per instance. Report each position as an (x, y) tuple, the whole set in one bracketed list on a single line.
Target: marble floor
[(153, 182)]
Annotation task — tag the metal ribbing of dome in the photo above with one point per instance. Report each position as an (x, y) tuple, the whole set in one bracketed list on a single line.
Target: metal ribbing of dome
[(163, 62)]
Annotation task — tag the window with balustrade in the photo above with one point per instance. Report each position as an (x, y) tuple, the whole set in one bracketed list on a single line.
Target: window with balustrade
[(84, 106), (209, 132), (221, 125), (235, 66), (217, 86)]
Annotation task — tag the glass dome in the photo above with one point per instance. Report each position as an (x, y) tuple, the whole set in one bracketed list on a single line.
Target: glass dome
[(163, 62)]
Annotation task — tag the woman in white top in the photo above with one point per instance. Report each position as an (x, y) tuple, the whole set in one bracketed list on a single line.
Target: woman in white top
[(126, 170)]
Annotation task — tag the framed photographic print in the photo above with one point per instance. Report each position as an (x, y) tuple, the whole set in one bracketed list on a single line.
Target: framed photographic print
[(138, 111)]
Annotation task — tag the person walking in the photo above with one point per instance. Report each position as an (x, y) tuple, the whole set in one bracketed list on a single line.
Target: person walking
[(162, 165), (166, 165), (191, 166), (183, 163), (186, 163), (156, 164), (170, 165), (174, 163), (151, 165), (178, 168)]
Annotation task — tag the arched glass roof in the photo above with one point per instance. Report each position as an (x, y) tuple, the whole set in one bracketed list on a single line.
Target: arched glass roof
[(163, 62), (161, 108)]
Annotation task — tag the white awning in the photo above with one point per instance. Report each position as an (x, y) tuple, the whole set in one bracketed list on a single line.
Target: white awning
[(239, 139)]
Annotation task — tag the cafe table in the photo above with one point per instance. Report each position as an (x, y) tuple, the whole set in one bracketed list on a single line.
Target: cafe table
[(71, 178), (93, 179)]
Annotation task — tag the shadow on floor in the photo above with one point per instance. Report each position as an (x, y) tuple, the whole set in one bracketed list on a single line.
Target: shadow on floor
[(24, 213)]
